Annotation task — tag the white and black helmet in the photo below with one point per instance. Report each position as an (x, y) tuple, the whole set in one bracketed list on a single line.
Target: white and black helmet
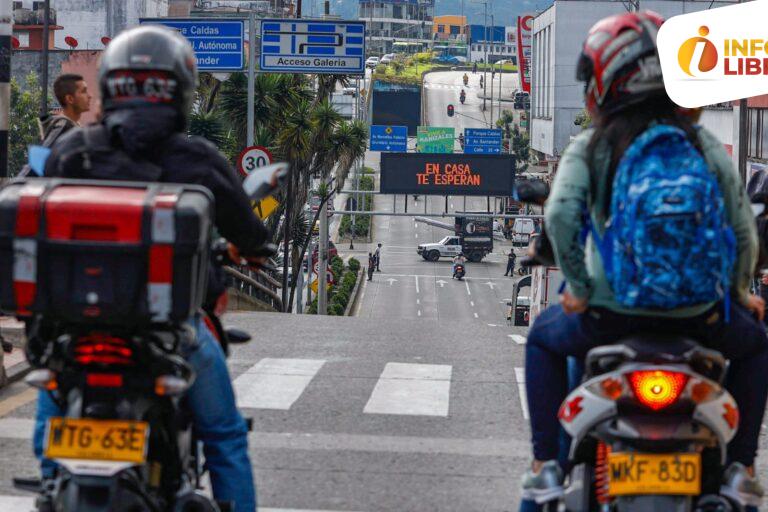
[(149, 65)]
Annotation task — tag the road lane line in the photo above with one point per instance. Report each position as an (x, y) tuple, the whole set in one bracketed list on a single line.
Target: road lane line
[(419, 312), (418, 302), (411, 389), (517, 338), (466, 283), (520, 378), (472, 303), (417, 283), (433, 276), (476, 315), (275, 383)]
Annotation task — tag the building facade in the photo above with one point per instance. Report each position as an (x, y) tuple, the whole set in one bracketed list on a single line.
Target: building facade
[(397, 20), (89, 21), (498, 41), (450, 28), (557, 98)]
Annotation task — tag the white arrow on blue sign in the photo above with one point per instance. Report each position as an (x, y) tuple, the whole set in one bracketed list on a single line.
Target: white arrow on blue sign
[(482, 141), (389, 138), (313, 46)]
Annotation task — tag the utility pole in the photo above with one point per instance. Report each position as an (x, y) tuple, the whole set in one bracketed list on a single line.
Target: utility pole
[(5, 84), (322, 256), (743, 142), (493, 72), (44, 60), (251, 75), (485, 49)]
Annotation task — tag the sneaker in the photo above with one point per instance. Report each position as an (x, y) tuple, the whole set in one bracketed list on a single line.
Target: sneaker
[(544, 486), (742, 488)]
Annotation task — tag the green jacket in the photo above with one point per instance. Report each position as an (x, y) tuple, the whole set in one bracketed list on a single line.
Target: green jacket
[(584, 270)]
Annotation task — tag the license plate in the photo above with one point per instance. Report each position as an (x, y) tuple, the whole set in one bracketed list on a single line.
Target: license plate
[(646, 473), (89, 439)]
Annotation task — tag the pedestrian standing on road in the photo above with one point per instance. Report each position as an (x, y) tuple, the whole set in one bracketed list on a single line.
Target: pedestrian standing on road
[(377, 255), (474, 68), (371, 265), (511, 257)]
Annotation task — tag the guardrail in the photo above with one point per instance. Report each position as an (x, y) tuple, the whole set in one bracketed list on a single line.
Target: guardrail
[(255, 284)]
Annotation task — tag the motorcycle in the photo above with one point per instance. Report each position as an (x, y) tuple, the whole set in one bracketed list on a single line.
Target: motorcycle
[(650, 422), (466, 80), (125, 440), (462, 97), (458, 271)]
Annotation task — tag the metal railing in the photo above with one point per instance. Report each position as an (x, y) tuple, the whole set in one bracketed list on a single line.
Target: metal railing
[(255, 284)]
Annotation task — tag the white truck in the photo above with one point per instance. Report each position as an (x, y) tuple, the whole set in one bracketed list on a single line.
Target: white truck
[(448, 247)]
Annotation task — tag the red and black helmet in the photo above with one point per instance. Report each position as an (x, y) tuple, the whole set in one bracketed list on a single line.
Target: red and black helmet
[(619, 62)]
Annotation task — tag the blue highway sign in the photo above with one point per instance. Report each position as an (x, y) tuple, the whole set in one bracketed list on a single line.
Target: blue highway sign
[(313, 46), (482, 141), (218, 44), (389, 138)]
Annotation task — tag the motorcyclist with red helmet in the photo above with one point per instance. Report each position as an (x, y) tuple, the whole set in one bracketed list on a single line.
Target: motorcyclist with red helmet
[(625, 96), (147, 78)]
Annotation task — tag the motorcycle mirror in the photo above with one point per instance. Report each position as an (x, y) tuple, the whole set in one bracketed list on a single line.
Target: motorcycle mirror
[(532, 191), (263, 181)]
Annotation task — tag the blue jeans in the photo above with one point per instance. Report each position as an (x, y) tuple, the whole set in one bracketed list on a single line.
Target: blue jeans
[(218, 424), (555, 336)]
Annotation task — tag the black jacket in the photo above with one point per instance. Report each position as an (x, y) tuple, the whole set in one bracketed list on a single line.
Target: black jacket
[(152, 151), (53, 126)]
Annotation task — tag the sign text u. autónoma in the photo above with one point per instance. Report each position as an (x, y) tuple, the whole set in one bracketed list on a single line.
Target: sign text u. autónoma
[(448, 174)]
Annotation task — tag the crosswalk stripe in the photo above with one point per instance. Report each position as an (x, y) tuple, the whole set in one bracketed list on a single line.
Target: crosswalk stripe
[(517, 338), (275, 383), (520, 378), (411, 389), (16, 428), (17, 503)]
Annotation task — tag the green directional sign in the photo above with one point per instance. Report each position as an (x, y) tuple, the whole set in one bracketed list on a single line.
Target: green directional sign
[(432, 139)]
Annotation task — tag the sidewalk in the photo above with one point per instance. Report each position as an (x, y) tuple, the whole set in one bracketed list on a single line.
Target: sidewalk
[(15, 365)]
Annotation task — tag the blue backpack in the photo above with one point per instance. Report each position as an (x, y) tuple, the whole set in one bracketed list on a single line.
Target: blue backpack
[(667, 243)]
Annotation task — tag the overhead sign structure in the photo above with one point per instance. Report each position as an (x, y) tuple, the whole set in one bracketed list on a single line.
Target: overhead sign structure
[(218, 44), (433, 139), (483, 141), (454, 174), (389, 138), (313, 46)]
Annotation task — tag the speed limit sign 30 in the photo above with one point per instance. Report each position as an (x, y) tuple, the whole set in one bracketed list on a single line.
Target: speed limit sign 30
[(252, 158)]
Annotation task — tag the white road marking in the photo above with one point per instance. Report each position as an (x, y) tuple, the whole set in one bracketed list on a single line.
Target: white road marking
[(467, 285), (517, 338), (411, 389), (17, 503), (472, 303), (417, 283), (441, 283), (262, 509), (432, 276), (419, 312), (275, 383), (489, 283), (390, 280), (520, 377), (476, 315), (16, 428), (418, 301), (416, 235)]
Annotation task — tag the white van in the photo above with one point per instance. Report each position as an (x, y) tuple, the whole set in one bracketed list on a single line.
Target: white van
[(521, 232)]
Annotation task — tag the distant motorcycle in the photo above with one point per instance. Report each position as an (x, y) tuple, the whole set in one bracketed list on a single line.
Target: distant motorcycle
[(458, 272), (466, 80), (462, 96)]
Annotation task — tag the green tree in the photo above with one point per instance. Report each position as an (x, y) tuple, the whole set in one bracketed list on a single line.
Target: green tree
[(521, 148), (24, 130)]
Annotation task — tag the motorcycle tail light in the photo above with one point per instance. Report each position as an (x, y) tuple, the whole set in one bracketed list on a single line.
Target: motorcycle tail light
[(42, 379), (104, 380), (103, 349), (612, 388), (657, 389)]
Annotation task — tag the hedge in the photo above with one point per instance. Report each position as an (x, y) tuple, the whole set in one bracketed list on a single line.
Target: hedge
[(340, 295)]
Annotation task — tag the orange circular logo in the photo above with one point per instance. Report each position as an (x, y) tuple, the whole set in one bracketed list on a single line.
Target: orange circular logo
[(707, 51)]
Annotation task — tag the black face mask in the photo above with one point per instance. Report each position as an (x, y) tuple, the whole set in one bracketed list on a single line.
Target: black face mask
[(143, 129)]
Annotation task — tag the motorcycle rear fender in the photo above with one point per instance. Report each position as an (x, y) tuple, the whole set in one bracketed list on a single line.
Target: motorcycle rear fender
[(95, 468), (582, 410), (713, 414)]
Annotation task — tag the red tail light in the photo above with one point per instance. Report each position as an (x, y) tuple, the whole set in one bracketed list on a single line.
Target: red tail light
[(104, 349), (657, 389), (104, 380)]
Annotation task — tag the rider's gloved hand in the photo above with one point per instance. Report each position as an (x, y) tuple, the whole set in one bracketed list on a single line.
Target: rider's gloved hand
[(756, 305), (255, 262)]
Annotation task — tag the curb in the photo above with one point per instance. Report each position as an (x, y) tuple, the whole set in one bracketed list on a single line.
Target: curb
[(355, 293)]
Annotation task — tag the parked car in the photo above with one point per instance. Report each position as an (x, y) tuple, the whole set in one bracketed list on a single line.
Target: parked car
[(372, 62), (349, 91), (386, 59)]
